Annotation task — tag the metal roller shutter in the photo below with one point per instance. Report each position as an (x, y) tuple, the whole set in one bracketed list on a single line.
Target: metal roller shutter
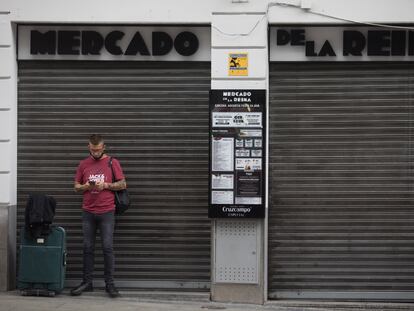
[(341, 221), (154, 116)]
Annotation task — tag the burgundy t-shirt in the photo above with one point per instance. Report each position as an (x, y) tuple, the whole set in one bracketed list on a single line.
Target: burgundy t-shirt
[(96, 201)]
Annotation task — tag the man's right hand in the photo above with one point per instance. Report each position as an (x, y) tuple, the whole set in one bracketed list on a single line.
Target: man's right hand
[(89, 186), (82, 188)]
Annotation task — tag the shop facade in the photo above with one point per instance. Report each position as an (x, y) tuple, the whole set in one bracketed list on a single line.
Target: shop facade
[(324, 169)]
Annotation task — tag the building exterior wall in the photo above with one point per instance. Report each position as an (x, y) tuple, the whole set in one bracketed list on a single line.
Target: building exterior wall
[(235, 25), (8, 157), (162, 12)]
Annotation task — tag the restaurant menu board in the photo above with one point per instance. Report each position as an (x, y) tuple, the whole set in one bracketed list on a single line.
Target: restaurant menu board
[(237, 154)]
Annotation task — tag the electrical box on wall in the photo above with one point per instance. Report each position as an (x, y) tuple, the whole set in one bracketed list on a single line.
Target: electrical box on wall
[(236, 255)]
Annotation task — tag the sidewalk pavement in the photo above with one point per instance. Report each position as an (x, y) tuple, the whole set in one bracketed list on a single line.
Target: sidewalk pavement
[(142, 301)]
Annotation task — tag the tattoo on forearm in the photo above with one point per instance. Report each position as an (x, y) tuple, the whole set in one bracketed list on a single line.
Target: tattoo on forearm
[(118, 185)]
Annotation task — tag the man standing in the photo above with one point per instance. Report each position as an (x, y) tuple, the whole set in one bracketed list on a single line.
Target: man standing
[(94, 180)]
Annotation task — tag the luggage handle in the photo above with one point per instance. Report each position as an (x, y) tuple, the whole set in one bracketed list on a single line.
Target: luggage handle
[(64, 259)]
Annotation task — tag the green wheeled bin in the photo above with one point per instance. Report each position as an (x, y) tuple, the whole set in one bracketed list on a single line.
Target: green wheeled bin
[(42, 263)]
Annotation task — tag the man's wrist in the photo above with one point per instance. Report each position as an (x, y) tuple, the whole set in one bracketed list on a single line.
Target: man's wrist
[(107, 185)]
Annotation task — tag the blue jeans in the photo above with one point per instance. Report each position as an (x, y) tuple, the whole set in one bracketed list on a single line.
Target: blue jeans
[(105, 223)]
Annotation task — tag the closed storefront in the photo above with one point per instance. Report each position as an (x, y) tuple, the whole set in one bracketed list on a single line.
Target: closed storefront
[(153, 114), (267, 146), (341, 174)]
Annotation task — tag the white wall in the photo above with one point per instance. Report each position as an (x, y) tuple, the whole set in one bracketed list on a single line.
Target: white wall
[(8, 99), (377, 11), (8, 154), (199, 11)]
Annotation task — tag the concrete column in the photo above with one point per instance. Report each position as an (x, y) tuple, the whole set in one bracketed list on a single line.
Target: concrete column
[(4, 264), (238, 251), (8, 154), (7, 247)]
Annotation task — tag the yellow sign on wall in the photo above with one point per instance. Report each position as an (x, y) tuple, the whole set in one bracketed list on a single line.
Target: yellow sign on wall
[(238, 64)]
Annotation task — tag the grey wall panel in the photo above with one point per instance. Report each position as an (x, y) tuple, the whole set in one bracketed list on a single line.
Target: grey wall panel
[(154, 116), (341, 180)]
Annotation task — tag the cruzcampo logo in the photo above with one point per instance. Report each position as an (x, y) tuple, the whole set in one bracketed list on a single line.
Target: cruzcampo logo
[(238, 64)]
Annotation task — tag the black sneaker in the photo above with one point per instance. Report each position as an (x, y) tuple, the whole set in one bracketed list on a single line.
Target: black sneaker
[(83, 287), (112, 291)]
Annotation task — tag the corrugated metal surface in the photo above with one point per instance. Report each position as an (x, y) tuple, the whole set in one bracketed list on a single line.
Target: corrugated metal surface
[(341, 174), (154, 116)]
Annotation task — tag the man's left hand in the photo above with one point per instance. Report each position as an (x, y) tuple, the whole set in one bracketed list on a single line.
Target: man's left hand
[(100, 185)]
